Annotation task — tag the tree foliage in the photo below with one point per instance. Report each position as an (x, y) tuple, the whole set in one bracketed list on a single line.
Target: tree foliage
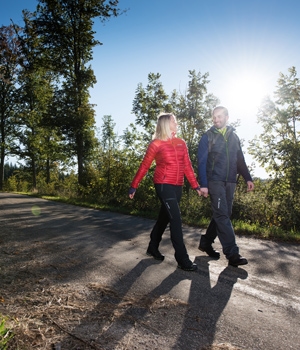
[(66, 29), (35, 95), (278, 147), (10, 55), (193, 109), (148, 103)]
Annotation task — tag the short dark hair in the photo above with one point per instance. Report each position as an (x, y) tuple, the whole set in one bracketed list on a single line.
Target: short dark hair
[(222, 108)]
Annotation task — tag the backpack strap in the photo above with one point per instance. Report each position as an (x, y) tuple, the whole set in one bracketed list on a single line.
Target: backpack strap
[(211, 139)]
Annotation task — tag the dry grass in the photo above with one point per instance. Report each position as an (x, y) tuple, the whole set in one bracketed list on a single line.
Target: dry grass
[(221, 346), (48, 316)]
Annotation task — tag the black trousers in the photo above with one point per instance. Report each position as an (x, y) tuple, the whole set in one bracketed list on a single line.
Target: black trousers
[(221, 196), (169, 196)]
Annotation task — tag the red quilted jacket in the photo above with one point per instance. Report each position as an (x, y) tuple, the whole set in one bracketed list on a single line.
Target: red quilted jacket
[(172, 163)]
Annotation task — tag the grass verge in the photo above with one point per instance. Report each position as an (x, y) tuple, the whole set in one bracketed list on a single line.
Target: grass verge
[(5, 334)]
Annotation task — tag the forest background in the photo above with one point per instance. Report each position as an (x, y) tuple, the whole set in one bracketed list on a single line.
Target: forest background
[(48, 125)]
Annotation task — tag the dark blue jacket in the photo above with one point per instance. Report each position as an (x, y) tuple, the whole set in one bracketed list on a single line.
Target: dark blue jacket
[(223, 159)]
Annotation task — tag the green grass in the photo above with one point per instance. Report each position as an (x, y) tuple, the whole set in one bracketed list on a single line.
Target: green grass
[(271, 233), (5, 334), (100, 206)]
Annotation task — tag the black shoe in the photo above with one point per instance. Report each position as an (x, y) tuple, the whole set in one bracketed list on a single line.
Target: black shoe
[(236, 260), (191, 267), (209, 250), (155, 253)]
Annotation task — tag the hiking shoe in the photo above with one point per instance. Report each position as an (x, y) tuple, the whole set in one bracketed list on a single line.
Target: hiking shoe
[(209, 250), (236, 260), (191, 267), (155, 253)]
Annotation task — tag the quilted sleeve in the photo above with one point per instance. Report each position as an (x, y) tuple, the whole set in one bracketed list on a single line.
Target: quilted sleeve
[(188, 169), (145, 164)]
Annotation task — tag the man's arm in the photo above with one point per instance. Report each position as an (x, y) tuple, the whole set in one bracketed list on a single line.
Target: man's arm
[(242, 166), (243, 169), (202, 161)]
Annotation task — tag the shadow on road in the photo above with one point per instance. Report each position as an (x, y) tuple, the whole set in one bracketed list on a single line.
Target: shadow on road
[(190, 325), (206, 305)]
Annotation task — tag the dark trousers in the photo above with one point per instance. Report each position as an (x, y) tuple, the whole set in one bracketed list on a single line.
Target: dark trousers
[(169, 196), (221, 195)]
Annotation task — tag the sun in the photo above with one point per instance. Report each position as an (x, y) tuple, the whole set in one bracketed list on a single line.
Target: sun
[(246, 91)]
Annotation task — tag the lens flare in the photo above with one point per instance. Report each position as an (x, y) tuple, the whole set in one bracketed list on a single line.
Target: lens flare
[(36, 210)]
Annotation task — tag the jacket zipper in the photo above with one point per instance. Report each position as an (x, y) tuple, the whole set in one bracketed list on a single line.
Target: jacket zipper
[(176, 156), (227, 153)]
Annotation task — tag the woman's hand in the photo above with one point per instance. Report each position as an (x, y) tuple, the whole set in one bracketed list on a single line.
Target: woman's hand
[(198, 190), (131, 192)]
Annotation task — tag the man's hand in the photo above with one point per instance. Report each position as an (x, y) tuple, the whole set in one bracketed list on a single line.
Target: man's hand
[(204, 191), (250, 186)]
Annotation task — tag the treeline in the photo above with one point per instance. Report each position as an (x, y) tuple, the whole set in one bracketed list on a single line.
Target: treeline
[(48, 124), (273, 204)]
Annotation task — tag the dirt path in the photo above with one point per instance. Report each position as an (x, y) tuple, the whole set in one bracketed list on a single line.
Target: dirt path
[(76, 278)]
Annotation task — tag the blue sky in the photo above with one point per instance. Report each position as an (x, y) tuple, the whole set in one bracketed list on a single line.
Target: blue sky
[(243, 45)]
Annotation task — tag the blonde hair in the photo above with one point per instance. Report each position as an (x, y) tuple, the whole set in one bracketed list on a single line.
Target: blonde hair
[(163, 131)]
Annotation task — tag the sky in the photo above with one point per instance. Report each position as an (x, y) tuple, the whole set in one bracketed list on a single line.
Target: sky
[(243, 44)]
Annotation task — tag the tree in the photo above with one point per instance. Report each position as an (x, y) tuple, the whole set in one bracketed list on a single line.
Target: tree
[(148, 103), (35, 94), (66, 28), (9, 64), (193, 110), (278, 147), (109, 144)]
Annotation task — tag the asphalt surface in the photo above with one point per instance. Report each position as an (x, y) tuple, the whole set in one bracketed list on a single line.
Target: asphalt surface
[(253, 307)]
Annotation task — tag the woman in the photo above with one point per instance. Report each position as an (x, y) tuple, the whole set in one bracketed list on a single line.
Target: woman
[(172, 164)]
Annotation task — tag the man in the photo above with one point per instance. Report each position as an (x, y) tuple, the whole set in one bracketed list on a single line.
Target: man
[(220, 159)]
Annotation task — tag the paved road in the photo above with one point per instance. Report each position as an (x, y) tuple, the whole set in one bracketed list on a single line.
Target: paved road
[(254, 307)]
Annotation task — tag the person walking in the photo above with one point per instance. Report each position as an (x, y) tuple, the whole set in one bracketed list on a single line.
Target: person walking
[(172, 160), (220, 160)]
